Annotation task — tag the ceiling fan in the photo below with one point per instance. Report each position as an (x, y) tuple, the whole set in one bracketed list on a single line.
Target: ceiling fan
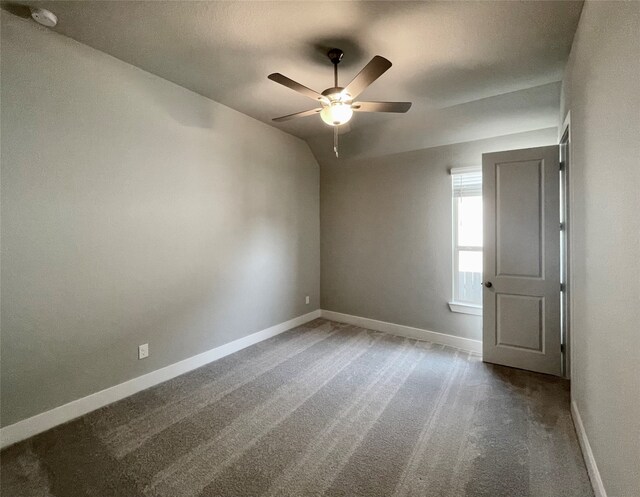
[(337, 104)]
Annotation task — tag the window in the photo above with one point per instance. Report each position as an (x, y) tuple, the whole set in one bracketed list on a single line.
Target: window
[(467, 240)]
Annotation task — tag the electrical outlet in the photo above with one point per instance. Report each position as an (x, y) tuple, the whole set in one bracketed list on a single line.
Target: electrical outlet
[(306, 299), (143, 351)]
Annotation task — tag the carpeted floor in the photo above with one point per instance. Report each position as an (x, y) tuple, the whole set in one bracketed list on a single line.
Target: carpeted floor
[(325, 409)]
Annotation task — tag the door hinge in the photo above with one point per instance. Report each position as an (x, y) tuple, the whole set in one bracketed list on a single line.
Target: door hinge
[(561, 165), (562, 348), (561, 226), (562, 287)]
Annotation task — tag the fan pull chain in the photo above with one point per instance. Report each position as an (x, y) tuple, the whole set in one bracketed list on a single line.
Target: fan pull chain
[(335, 140)]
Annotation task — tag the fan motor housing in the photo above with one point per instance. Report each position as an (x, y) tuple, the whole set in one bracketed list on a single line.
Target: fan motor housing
[(337, 90), (335, 55), (331, 91)]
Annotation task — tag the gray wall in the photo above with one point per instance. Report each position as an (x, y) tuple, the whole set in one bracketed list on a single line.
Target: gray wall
[(136, 211), (602, 91), (386, 233)]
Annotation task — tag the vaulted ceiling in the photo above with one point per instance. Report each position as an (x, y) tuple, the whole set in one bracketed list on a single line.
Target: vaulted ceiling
[(471, 69)]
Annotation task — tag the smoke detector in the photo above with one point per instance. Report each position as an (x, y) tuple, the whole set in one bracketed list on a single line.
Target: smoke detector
[(44, 17)]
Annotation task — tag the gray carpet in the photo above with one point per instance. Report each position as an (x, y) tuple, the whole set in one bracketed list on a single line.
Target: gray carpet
[(325, 409)]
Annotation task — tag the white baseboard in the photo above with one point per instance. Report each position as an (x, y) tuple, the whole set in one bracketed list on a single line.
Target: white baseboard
[(465, 344), (44, 421), (587, 453)]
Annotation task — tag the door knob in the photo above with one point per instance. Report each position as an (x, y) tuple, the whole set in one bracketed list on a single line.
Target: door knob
[(488, 284)]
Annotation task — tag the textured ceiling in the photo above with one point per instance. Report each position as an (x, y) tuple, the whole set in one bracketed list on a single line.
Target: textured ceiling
[(444, 54)]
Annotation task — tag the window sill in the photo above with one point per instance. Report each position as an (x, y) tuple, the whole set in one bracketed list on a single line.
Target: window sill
[(475, 310)]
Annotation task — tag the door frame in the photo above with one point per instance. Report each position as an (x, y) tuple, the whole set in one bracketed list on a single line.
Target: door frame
[(564, 136)]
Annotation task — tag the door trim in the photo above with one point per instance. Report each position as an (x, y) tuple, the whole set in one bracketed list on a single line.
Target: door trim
[(565, 130)]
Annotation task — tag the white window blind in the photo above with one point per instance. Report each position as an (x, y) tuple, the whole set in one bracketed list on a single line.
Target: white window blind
[(467, 182)]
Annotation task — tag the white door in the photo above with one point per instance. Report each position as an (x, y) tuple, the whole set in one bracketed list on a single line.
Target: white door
[(521, 296)]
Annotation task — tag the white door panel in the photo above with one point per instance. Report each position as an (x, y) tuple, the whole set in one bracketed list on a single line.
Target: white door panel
[(521, 298)]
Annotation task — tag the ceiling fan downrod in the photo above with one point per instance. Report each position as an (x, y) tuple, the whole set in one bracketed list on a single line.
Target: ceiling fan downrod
[(335, 56)]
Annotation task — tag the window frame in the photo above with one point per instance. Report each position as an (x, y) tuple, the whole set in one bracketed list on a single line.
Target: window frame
[(457, 304)]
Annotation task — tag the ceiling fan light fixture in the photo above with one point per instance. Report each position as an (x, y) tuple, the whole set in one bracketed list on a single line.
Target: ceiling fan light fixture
[(336, 113), (337, 110)]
